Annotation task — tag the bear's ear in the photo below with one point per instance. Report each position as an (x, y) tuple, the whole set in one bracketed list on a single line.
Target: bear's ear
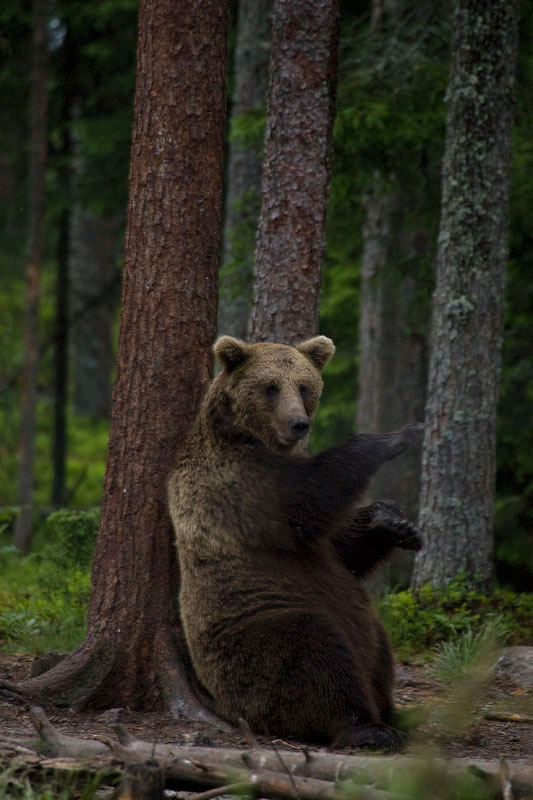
[(230, 352), (319, 350)]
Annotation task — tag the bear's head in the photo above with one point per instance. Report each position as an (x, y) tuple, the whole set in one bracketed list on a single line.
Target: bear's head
[(272, 390)]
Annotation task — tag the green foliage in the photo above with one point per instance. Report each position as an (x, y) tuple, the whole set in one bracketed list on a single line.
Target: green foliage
[(82, 784), (44, 596), (86, 456), (418, 622), (455, 659), (236, 275), (428, 778), (248, 129), (70, 539)]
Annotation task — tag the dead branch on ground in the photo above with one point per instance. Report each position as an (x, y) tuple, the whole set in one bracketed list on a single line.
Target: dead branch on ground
[(286, 775)]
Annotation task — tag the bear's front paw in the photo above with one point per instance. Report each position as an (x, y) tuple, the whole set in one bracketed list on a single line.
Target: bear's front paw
[(388, 518), (373, 736), (405, 534)]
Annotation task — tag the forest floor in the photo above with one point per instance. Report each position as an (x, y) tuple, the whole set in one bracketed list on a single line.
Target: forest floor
[(456, 724)]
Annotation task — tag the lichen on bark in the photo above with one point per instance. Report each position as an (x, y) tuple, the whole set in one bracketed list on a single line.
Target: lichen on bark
[(458, 470)]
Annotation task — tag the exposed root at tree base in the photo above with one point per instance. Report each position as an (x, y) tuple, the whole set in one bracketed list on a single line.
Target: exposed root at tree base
[(93, 678)]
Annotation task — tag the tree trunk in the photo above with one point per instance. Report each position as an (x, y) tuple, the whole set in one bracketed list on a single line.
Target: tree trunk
[(457, 494), (393, 349), (392, 339), (36, 204), (131, 656), (392, 342), (296, 171), (59, 444), (62, 323), (243, 191), (94, 278)]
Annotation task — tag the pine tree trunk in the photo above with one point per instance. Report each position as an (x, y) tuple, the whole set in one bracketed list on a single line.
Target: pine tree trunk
[(131, 656), (59, 444), (36, 205), (296, 170), (243, 191), (94, 278), (392, 343), (457, 494), (62, 322), (392, 339)]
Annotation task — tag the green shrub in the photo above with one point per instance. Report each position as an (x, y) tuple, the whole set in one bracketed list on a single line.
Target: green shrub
[(416, 622), (44, 596), (70, 538), (457, 659)]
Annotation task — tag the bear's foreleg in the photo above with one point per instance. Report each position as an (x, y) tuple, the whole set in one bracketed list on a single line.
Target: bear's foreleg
[(316, 492), (370, 535)]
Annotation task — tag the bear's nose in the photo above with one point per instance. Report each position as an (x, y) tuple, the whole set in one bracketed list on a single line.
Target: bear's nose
[(299, 426)]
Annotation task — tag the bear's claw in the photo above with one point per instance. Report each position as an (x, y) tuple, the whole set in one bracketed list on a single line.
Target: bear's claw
[(388, 518)]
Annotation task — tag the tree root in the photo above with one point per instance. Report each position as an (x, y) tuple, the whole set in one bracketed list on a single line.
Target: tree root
[(87, 679)]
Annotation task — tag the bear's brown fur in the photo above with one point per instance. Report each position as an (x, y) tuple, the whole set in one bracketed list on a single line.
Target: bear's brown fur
[(279, 630)]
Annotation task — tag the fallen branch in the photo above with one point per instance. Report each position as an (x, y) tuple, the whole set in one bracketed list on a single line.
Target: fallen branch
[(189, 774), (505, 780), (508, 716), (55, 744), (307, 775), (230, 788)]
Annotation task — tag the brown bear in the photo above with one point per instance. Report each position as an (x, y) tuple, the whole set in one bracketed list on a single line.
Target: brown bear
[(279, 629)]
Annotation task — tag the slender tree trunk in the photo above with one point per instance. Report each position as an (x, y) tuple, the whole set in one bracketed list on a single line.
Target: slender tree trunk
[(243, 191), (457, 493), (36, 205), (296, 171), (131, 656), (392, 341), (61, 343), (59, 445), (94, 278)]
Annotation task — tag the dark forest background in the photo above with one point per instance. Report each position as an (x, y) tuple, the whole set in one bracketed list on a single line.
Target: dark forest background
[(388, 143)]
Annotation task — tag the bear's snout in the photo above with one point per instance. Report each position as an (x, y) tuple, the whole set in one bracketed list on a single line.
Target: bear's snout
[(299, 426)]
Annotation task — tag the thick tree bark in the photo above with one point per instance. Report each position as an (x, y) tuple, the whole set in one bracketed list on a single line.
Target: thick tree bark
[(36, 205), (131, 656), (243, 190), (457, 492), (296, 171)]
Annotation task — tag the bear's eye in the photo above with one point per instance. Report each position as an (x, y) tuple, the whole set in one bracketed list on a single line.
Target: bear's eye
[(272, 390), (304, 391)]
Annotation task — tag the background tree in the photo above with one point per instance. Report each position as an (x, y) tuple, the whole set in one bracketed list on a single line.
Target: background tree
[(131, 655), (62, 316), (377, 279), (101, 130), (95, 275), (395, 265), (394, 315), (296, 171), (36, 205), (457, 497), (243, 175)]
